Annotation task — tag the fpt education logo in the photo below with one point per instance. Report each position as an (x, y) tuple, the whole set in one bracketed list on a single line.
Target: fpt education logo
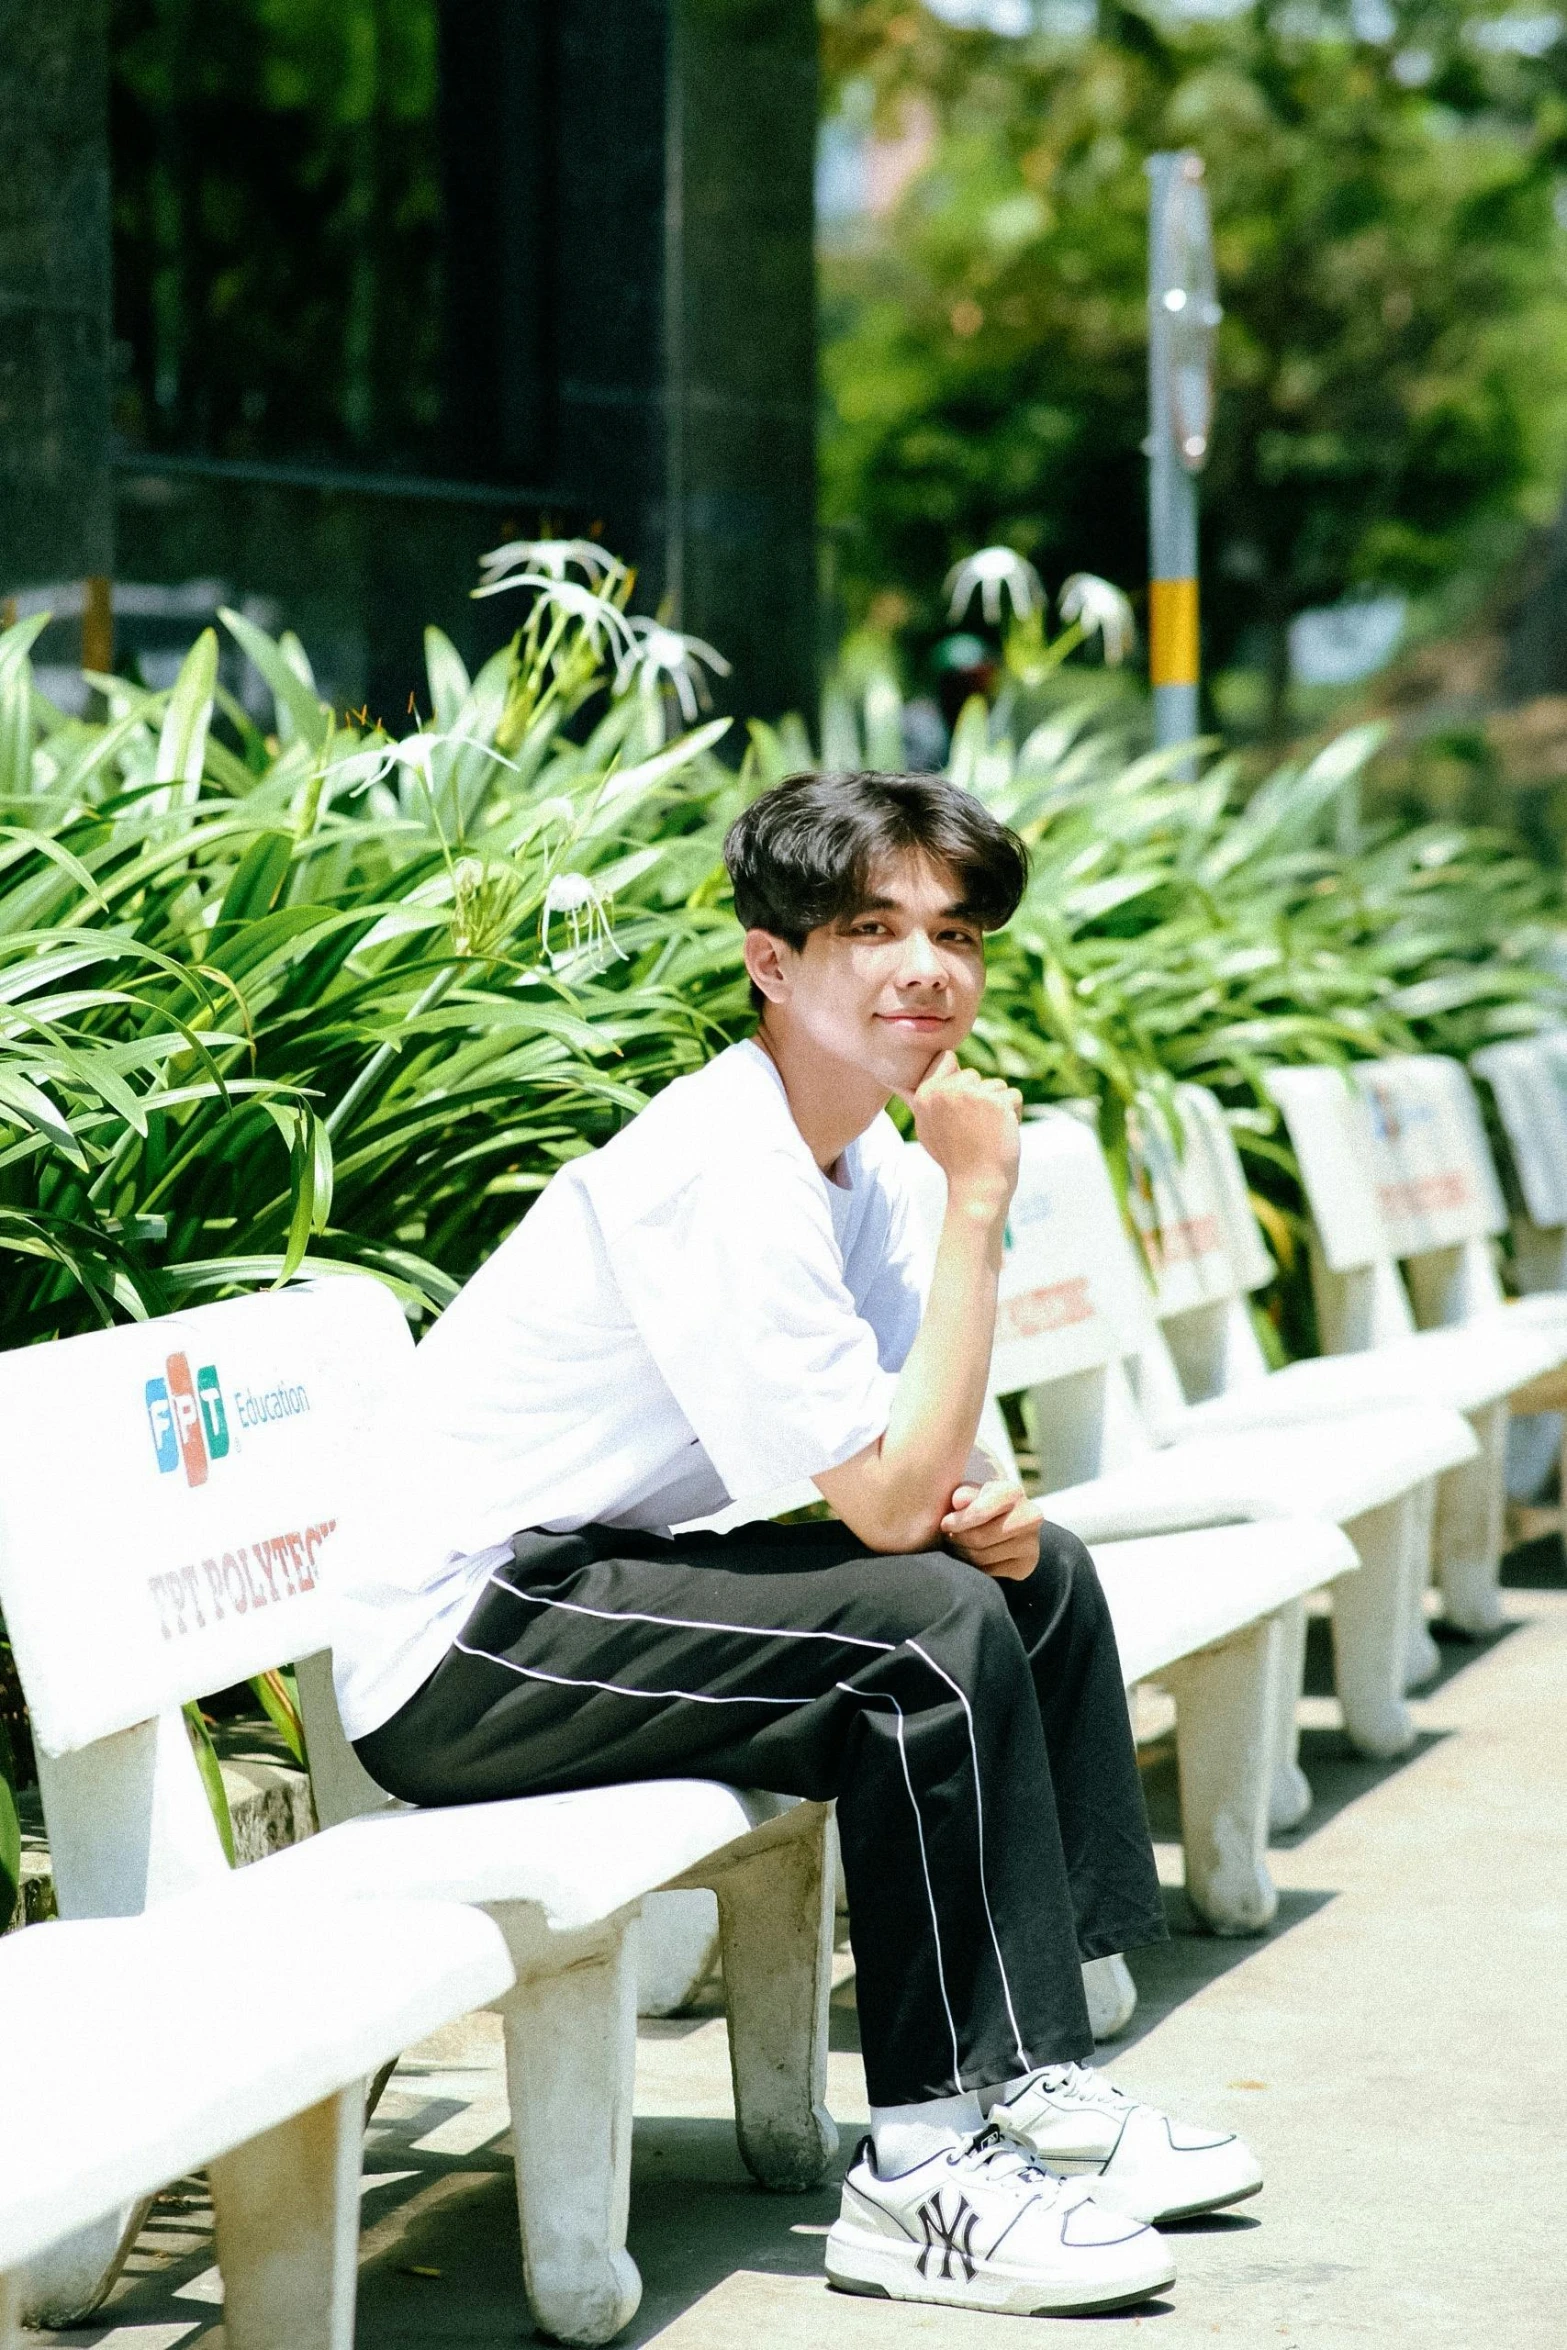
[(188, 1422)]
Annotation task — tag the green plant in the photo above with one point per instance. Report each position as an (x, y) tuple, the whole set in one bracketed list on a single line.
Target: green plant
[(10, 1832), (328, 997)]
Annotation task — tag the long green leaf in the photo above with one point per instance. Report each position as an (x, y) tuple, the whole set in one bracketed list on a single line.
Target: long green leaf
[(211, 1778), (182, 745), (10, 1833), (311, 719)]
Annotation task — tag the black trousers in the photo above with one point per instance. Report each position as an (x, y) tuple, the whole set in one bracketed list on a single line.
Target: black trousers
[(974, 1733)]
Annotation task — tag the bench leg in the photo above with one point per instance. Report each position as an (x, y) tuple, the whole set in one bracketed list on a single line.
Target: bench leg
[(1471, 1503), (1371, 1614), (775, 1915), (1289, 1797), (1423, 1661), (64, 2285), (286, 2225), (571, 2047), (1111, 1996), (1225, 1729), (677, 1948)]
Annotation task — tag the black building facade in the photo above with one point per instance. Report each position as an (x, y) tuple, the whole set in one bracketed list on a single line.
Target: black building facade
[(400, 280)]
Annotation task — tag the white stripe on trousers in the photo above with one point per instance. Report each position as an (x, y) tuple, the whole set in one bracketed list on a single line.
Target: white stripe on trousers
[(979, 1837), (699, 1697)]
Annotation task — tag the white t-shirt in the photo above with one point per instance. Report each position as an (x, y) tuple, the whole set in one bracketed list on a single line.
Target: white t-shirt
[(691, 1316)]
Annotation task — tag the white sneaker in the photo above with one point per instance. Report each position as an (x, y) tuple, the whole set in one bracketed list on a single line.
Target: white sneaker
[(982, 2227), (1140, 2162)]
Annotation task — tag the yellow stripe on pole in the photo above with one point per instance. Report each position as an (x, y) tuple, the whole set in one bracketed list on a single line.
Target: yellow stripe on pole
[(1172, 632)]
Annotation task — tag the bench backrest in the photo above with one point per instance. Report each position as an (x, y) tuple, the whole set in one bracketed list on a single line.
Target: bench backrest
[(170, 1492), (1432, 1167), (1076, 1333), (1070, 1287), (1396, 1168), (1330, 1128), (1204, 1245), (1529, 1080), (1191, 1205)]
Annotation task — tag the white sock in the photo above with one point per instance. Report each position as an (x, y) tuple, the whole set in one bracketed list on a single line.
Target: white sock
[(905, 2135)]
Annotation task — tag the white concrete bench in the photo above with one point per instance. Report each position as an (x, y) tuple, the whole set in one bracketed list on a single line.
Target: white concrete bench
[(235, 2035), (114, 1624), (1076, 1334), (1398, 1176), (1206, 1616), (1206, 1254), (163, 1532)]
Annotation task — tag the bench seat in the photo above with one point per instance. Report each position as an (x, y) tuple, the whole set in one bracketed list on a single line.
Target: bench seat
[(1179, 1593), (1334, 1470), (577, 1858), (156, 2044), (1465, 1368)]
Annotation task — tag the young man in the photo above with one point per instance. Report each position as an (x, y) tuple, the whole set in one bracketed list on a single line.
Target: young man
[(728, 1298)]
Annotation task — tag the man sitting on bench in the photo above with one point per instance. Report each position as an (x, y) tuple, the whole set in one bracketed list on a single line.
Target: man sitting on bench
[(725, 1300)]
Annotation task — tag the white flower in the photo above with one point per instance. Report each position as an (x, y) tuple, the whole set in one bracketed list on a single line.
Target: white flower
[(590, 942), (484, 901), (1100, 610), (413, 750), (664, 652), (554, 557), (597, 615), (991, 570)]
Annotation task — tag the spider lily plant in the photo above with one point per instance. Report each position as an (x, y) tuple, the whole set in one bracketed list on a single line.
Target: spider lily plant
[(322, 996), (270, 1001)]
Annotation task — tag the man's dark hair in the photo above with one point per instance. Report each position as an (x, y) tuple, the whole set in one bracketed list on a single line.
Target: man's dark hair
[(806, 853)]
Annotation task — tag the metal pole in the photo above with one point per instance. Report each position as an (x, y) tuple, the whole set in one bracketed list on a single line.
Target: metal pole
[(1173, 641)]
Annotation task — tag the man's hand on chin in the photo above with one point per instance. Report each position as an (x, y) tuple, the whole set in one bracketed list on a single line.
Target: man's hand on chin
[(995, 1526)]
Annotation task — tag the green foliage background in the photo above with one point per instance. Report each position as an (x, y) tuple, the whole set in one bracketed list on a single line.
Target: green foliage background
[(1393, 360), (325, 996)]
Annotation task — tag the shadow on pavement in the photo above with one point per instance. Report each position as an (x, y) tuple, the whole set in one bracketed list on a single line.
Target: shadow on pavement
[(1170, 1973), (1536, 1566), (697, 2221), (1339, 1775), (696, 2217)]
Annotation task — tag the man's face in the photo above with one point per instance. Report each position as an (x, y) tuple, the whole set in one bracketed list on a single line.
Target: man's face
[(895, 984)]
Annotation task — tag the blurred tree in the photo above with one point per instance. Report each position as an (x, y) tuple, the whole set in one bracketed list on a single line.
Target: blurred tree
[(1393, 361)]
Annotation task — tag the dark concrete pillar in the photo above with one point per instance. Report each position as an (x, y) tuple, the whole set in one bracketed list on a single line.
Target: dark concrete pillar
[(631, 296), (55, 497)]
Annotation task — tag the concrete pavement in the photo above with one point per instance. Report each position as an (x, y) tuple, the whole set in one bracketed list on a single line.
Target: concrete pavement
[(1396, 2050)]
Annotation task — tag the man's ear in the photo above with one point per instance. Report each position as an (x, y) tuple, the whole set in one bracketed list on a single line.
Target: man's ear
[(769, 962)]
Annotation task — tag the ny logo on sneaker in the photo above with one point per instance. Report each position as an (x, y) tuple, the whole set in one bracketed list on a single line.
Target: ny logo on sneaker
[(953, 2238)]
